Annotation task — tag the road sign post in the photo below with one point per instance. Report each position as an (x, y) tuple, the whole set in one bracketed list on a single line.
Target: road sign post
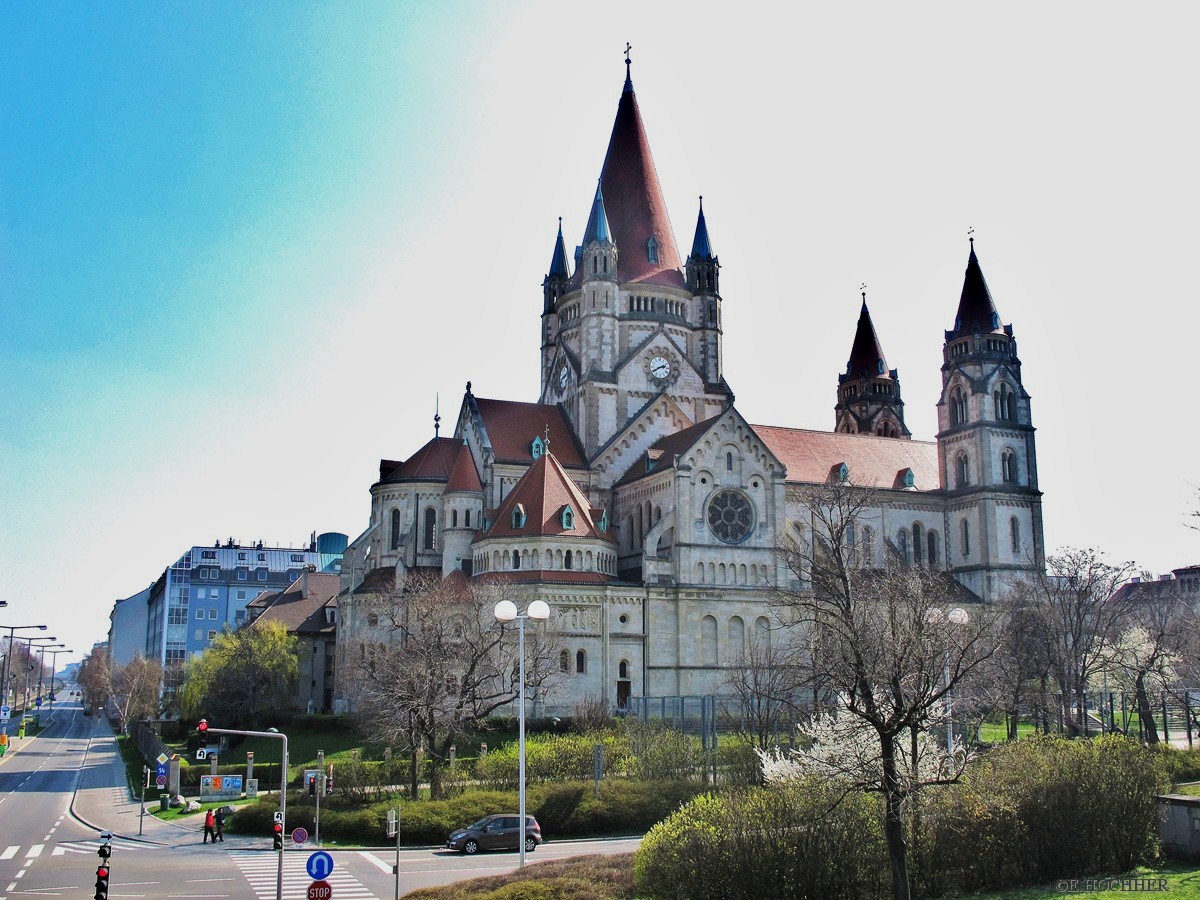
[(300, 836), (393, 830)]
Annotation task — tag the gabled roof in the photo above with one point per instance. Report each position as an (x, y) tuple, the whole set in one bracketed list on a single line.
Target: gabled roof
[(543, 493), (976, 311), (432, 462), (633, 201), (873, 461), (866, 353), (511, 427), (301, 607), (464, 477)]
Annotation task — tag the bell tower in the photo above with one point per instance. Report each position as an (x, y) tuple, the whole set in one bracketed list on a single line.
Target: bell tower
[(986, 447), (703, 271)]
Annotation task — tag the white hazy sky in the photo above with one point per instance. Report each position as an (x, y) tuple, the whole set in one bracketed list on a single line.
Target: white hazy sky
[(243, 249)]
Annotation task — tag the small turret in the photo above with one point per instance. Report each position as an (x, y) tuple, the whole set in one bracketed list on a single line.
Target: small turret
[(599, 262), (702, 266), (554, 285)]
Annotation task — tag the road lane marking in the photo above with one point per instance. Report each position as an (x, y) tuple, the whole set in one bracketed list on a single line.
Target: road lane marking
[(35, 851), (10, 852), (375, 861)]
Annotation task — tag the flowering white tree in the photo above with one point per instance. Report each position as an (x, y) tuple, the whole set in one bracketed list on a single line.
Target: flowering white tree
[(887, 643)]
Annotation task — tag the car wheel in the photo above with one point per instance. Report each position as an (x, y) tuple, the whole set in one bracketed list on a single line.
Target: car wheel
[(471, 846), (530, 844)]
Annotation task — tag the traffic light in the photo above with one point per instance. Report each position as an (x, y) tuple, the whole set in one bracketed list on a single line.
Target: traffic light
[(277, 831), (102, 882), (104, 852), (329, 780), (202, 728), (312, 785)]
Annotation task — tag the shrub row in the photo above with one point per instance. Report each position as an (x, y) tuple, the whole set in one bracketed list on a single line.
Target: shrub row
[(563, 810), (1028, 812)]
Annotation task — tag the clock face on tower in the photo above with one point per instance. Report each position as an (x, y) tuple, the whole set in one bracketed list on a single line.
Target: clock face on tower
[(660, 368), (562, 379)]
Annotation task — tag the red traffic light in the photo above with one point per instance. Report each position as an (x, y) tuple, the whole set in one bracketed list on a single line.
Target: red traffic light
[(278, 828), (102, 872), (203, 726)]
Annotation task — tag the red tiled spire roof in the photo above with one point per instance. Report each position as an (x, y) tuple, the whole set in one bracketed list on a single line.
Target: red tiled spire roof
[(634, 204), (464, 477), (511, 427), (543, 492)]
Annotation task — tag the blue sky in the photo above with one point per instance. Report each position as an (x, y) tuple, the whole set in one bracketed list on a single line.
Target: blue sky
[(242, 247)]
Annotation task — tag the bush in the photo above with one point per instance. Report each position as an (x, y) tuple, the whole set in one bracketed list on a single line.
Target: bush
[(806, 839), (1180, 765), (1041, 809), (553, 757), (661, 753)]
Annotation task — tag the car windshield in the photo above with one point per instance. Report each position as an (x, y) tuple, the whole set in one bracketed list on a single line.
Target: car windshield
[(478, 826)]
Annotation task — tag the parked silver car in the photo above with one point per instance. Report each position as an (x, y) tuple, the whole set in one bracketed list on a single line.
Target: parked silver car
[(499, 832)]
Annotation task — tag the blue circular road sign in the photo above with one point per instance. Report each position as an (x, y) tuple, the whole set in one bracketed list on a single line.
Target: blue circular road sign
[(319, 865)]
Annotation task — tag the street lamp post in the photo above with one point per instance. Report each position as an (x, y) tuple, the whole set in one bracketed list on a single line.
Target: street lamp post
[(11, 629), (29, 668), (41, 670), (957, 616), (506, 611)]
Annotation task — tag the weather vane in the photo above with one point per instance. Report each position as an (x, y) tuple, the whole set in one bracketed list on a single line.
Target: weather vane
[(971, 235), (437, 418), (863, 287)]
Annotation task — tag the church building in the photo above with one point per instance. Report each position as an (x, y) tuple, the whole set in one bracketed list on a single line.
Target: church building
[(635, 499)]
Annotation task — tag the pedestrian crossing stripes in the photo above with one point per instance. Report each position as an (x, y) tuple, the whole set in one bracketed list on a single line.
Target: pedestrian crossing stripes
[(78, 847), (259, 869)]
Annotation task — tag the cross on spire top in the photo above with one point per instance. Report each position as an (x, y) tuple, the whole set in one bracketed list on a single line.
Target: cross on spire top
[(628, 79)]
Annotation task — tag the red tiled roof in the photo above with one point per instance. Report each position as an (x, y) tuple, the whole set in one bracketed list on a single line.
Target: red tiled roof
[(681, 441), (634, 205), (378, 581), (302, 611), (544, 490), (511, 427), (431, 463), (464, 477), (873, 461)]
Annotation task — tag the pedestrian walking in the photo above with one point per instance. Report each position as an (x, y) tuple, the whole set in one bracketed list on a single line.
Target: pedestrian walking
[(220, 819), (209, 822)]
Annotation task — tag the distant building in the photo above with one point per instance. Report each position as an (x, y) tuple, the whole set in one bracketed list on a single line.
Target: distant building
[(209, 588), (308, 610), (1183, 583), (127, 628)]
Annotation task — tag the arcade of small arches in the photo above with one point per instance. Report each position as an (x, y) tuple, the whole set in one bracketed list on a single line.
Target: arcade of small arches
[(545, 559), (732, 573), (658, 305)]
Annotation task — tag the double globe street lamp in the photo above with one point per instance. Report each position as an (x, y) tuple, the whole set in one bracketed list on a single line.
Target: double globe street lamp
[(506, 611), (4, 673)]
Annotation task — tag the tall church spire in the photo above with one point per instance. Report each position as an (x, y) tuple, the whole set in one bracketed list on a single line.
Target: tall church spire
[(633, 201), (558, 262), (868, 391), (976, 310), (701, 248)]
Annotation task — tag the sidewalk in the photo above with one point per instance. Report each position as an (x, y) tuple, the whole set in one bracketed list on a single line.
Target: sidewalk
[(104, 802)]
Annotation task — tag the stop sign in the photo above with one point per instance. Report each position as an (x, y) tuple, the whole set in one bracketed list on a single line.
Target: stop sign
[(320, 890)]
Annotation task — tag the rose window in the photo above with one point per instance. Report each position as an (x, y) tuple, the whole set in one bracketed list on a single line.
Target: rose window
[(730, 516)]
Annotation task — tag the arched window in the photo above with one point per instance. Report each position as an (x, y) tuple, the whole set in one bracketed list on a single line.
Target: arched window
[(962, 471), (958, 407), (467, 514), (737, 637), (728, 462), (623, 669), (1014, 527), (563, 661), (902, 545), (918, 544), (1004, 401), (868, 546), (395, 528), (932, 540), (762, 632), (580, 663), (516, 560), (966, 538), (708, 641), (430, 527), (454, 518), (1008, 466), (567, 560)]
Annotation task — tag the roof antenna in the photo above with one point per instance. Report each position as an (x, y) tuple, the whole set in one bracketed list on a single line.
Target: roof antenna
[(437, 419)]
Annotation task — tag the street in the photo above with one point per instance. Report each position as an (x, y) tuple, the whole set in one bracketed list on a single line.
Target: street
[(60, 789)]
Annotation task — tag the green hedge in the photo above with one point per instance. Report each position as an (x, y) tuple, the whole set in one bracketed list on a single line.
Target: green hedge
[(565, 810), (805, 840)]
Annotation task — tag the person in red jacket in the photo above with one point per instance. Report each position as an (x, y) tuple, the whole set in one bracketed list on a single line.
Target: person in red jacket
[(210, 821)]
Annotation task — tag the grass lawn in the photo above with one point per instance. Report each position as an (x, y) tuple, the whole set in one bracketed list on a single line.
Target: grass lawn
[(175, 814), (611, 878), (996, 732)]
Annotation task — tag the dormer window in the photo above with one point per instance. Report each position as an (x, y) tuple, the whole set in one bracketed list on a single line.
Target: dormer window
[(910, 479), (652, 249), (568, 519), (604, 521), (518, 516), (879, 366), (843, 473), (538, 448)]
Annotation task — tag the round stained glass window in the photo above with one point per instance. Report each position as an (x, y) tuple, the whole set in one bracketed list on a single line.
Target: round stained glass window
[(730, 516)]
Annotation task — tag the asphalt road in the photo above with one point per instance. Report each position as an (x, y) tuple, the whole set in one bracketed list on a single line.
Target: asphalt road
[(46, 852)]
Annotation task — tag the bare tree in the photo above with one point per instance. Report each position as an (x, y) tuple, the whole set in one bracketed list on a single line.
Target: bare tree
[(1077, 606), (135, 688), (1149, 651), (446, 666), (768, 684), (886, 645), (95, 680), (1018, 674)]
